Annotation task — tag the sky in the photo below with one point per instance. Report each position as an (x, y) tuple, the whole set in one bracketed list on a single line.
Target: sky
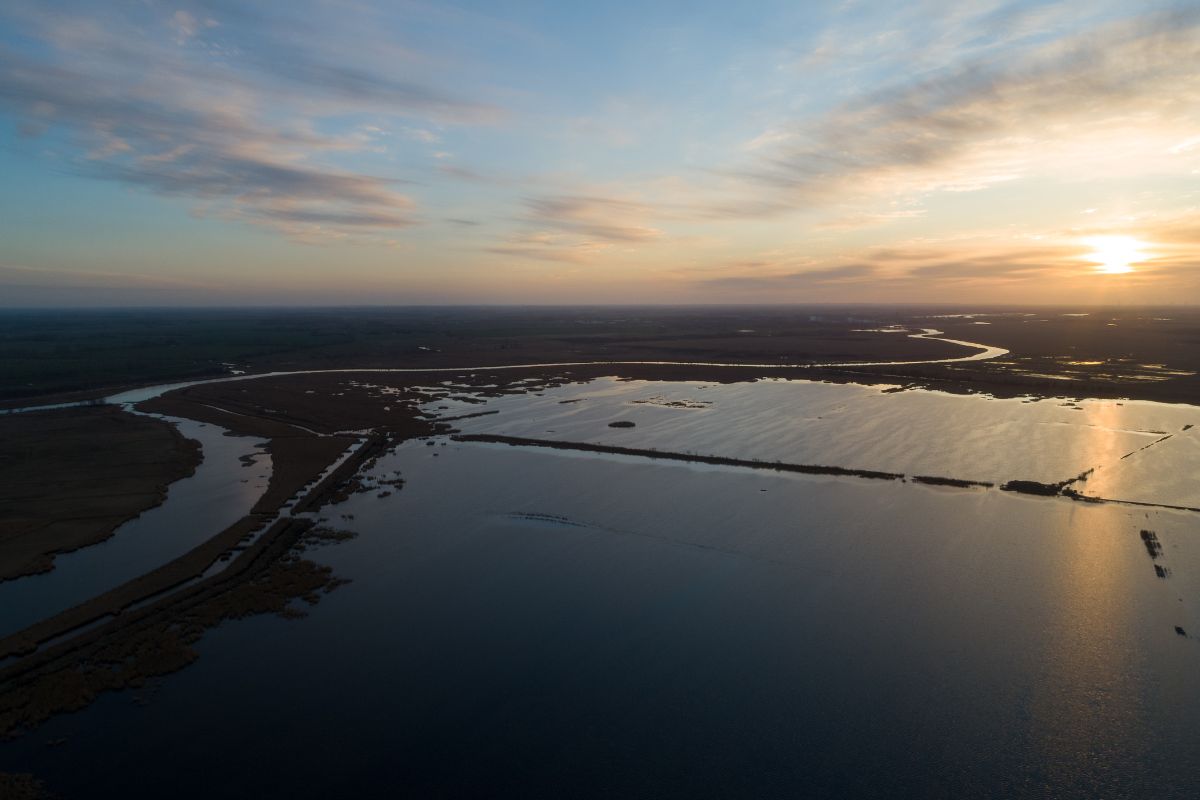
[(210, 152)]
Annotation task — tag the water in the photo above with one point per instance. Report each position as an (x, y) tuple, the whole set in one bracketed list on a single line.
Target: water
[(971, 437), (536, 624)]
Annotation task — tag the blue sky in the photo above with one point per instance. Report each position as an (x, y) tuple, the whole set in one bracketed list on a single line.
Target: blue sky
[(356, 152)]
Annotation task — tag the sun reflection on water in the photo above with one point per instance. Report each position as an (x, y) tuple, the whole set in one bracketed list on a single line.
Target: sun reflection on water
[(1086, 708)]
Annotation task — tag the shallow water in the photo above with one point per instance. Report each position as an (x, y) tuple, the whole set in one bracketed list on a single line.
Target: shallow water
[(540, 624), (971, 437), (1166, 471)]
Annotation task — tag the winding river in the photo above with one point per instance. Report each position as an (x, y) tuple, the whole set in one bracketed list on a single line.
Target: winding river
[(131, 396)]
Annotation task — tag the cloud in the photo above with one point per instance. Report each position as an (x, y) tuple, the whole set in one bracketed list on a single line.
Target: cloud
[(987, 269), (186, 26), (994, 94), (237, 116), (983, 269), (25, 287), (865, 219), (422, 135), (1039, 108), (547, 247), (329, 122), (17, 275), (330, 218), (574, 254), (803, 279), (577, 227), (603, 218), (1173, 231), (471, 175)]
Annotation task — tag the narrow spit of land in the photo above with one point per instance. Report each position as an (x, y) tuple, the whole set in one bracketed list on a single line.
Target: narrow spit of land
[(1020, 486), (587, 447)]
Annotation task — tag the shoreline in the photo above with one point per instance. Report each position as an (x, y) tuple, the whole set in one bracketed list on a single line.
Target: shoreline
[(44, 667), (40, 526)]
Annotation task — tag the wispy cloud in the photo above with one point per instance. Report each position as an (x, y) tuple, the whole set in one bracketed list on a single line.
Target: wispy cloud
[(822, 152), (547, 247), (182, 104), (1013, 92), (577, 227), (797, 281), (13, 275), (604, 218), (40, 286), (996, 117), (1056, 268)]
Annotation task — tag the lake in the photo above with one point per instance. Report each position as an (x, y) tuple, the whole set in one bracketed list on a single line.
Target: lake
[(546, 623)]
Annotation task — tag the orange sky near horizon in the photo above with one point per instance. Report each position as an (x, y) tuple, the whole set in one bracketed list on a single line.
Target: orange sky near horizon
[(994, 152)]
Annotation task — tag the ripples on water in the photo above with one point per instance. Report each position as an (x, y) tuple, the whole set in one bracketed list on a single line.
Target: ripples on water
[(972, 437)]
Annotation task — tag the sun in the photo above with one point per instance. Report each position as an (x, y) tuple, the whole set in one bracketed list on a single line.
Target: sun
[(1114, 255)]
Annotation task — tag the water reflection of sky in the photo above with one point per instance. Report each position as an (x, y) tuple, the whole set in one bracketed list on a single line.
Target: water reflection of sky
[(913, 432), (690, 630), (517, 617)]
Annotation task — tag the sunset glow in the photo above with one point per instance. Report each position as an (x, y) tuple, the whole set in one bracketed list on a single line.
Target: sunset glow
[(678, 398), (705, 153), (1114, 255)]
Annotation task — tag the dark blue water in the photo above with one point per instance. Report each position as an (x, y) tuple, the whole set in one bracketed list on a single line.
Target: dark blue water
[(681, 633)]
